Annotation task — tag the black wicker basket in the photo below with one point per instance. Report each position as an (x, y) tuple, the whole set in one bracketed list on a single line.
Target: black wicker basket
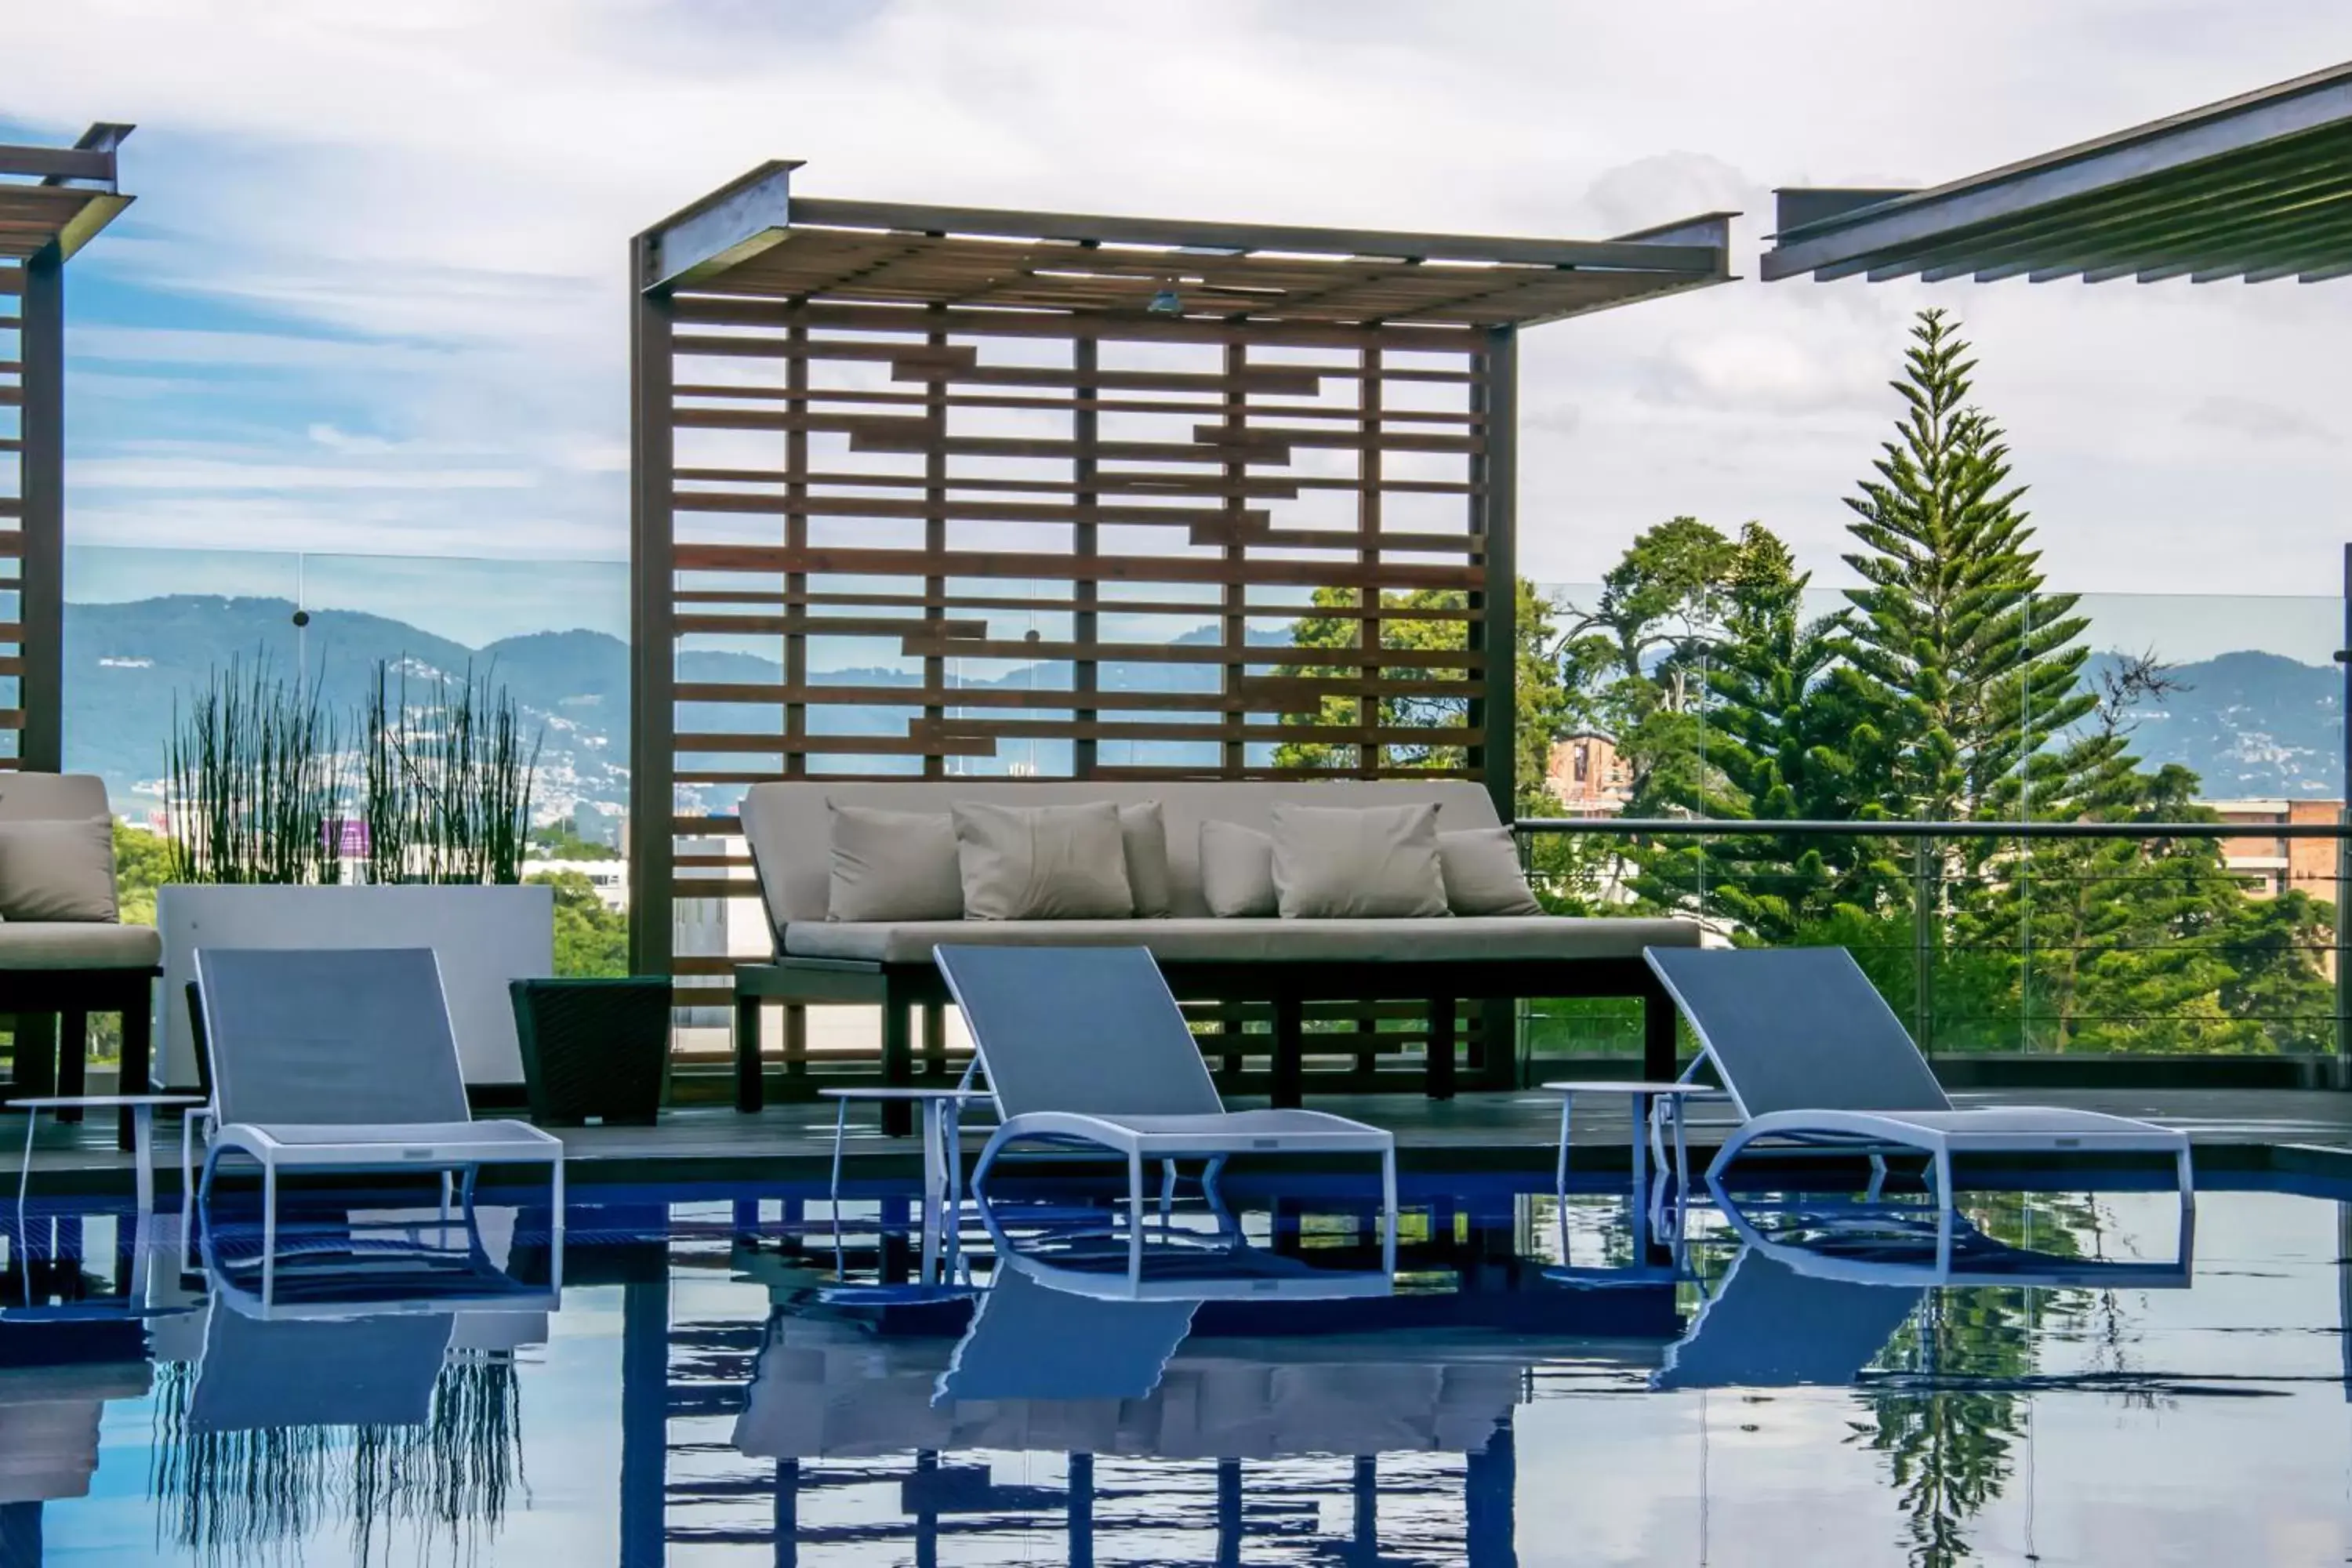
[(594, 1049)]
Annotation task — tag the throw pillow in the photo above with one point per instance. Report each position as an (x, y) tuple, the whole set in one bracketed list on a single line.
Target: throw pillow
[(58, 869), (1043, 862), (1148, 877), (893, 866), (1237, 870), (1481, 873), (1378, 863)]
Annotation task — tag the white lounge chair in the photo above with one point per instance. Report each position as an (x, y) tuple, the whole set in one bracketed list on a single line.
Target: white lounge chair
[(1810, 1054), (342, 1061), (1085, 1046)]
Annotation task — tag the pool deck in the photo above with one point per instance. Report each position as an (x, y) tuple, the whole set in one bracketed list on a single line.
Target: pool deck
[(2302, 1131)]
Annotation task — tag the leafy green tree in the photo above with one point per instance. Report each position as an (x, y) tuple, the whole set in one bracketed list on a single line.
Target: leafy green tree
[(1442, 626), (558, 842), (590, 938), (142, 863)]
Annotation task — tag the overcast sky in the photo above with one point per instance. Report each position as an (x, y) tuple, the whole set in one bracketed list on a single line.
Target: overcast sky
[(370, 296)]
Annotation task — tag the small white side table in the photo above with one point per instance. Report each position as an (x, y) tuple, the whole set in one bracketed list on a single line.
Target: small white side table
[(942, 1155), (1674, 1095), (142, 1132), (942, 1122)]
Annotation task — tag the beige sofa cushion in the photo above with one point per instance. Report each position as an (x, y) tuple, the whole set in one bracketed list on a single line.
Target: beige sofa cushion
[(71, 796), (893, 866), (1043, 862), (1207, 938), (1367, 863), (788, 822), (1237, 872), (1481, 873), (1143, 828), (58, 869), (78, 944)]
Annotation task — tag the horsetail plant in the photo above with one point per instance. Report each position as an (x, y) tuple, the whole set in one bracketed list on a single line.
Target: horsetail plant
[(253, 780)]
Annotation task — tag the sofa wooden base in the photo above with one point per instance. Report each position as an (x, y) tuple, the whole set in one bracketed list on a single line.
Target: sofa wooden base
[(900, 989), (62, 1000)]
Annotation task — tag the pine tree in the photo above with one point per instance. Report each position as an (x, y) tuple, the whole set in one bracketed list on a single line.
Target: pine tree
[(1772, 745), (1961, 667)]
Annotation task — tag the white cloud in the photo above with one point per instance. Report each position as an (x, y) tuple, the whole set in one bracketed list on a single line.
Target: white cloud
[(443, 193)]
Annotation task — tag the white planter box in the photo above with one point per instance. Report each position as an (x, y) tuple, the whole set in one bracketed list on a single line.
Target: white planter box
[(483, 936)]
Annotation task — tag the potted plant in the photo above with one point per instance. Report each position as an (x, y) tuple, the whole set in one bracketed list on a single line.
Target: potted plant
[(284, 836)]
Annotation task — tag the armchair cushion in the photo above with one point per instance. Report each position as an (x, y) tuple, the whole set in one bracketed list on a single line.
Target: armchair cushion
[(58, 869)]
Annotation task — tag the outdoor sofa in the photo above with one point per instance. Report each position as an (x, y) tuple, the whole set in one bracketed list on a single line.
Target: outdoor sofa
[(64, 952), (1266, 959)]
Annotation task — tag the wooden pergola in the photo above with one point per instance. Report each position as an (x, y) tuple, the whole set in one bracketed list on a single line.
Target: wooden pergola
[(53, 201), (1111, 458)]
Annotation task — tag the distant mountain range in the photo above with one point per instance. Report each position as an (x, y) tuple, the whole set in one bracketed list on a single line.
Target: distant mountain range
[(127, 663), (2248, 723)]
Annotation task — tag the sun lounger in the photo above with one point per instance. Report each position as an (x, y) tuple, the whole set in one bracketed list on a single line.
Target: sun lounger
[(1769, 1326), (1029, 1341), (258, 1374), (1086, 1046), (1811, 1055), (342, 1061)]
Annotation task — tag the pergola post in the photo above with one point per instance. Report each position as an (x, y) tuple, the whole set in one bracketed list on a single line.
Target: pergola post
[(41, 545), (652, 672), (53, 201), (1495, 630)]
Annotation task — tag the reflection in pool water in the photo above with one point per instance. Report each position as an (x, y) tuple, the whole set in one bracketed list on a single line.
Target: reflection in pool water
[(747, 1380)]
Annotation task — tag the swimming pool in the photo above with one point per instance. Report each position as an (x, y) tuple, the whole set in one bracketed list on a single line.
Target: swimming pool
[(750, 1377)]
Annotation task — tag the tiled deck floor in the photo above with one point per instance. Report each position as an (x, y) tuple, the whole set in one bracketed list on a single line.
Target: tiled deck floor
[(1477, 1130)]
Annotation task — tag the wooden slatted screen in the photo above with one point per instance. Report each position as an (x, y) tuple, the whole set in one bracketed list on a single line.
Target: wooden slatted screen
[(931, 491), (943, 548)]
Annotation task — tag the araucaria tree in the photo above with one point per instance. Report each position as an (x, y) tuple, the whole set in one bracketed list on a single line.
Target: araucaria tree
[(1960, 666)]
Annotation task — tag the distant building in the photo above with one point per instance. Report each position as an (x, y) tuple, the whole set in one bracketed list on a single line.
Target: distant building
[(1587, 776), (2272, 864), (609, 877)]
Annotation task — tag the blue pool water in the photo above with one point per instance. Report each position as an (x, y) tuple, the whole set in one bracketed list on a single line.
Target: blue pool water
[(750, 1378)]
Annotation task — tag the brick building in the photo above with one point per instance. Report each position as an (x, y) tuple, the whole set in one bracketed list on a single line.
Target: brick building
[(1587, 776)]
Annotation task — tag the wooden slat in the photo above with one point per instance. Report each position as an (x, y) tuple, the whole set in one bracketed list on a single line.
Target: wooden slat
[(712, 887), (1141, 773), (1382, 440), (1127, 482), (1303, 381), (1113, 481), (920, 357), (1175, 653), (851, 561), (916, 696), (880, 440), (952, 730), (719, 743), (1306, 694), (1223, 532), (865, 397), (722, 310), (829, 626), (966, 511), (963, 600)]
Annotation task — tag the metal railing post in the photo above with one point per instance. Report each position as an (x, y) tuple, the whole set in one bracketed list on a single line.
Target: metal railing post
[(2343, 944), (1923, 943)]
